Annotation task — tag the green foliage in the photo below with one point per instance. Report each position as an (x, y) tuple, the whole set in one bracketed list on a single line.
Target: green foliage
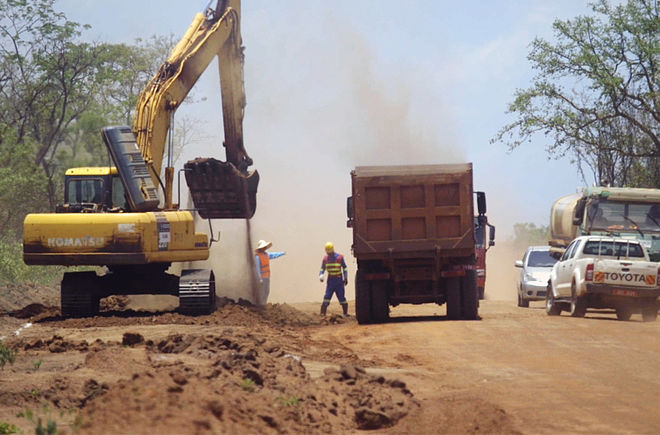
[(595, 95), (48, 427), (13, 269), (22, 188), (247, 384), (7, 429), (7, 355), (528, 234), (288, 401)]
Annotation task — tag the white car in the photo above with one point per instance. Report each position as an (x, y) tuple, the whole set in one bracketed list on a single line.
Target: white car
[(604, 272), (535, 268)]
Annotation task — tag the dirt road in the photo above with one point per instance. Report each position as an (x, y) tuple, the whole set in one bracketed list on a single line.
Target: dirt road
[(545, 374), (285, 370)]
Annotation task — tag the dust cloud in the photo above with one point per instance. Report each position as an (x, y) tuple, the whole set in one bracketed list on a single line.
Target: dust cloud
[(316, 109), (501, 274)]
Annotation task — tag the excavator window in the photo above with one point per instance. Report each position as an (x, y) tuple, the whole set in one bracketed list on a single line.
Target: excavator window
[(84, 190), (118, 193)]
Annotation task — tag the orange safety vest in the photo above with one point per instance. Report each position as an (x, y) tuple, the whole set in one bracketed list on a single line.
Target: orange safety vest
[(264, 258)]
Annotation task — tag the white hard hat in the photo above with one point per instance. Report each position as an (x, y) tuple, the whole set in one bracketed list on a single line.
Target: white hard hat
[(262, 244)]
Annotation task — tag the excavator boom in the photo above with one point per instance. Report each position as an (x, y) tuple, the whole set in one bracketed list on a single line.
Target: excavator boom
[(219, 189)]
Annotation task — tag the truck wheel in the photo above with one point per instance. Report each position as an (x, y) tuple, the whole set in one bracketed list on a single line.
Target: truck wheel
[(470, 296), (551, 306), (481, 293), (650, 311), (578, 304), (522, 302), (362, 298), (453, 287), (380, 307), (78, 296), (623, 312)]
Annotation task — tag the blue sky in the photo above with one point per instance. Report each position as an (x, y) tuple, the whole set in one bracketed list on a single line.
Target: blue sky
[(347, 74), (335, 84)]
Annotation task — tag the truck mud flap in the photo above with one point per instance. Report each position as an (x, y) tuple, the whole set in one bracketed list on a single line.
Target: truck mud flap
[(220, 191)]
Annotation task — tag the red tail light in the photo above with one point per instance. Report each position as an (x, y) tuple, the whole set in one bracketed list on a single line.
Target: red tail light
[(589, 274)]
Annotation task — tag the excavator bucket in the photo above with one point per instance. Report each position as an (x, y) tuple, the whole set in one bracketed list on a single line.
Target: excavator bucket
[(219, 190)]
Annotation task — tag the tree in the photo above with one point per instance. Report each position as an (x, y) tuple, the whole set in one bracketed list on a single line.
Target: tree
[(56, 92), (528, 234), (597, 93), (48, 81)]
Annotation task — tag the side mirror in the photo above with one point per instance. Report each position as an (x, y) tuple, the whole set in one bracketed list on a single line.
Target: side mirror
[(349, 211), (519, 263), (578, 215), (481, 203)]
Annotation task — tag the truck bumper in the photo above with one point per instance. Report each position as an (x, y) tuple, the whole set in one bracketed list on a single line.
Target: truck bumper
[(620, 290), (534, 290)]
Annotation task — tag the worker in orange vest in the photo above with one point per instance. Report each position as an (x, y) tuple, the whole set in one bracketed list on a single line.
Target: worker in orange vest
[(262, 260), (334, 263)]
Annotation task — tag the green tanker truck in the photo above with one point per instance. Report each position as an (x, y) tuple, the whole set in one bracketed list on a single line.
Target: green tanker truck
[(632, 213)]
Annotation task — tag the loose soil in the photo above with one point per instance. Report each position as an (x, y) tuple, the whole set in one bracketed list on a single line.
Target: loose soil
[(284, 369)]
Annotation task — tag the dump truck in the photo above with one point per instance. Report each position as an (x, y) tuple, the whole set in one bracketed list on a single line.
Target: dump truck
[(624, 212), (414, 239)]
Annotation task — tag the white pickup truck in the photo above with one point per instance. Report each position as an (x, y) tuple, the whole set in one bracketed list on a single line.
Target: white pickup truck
[(604, 272)]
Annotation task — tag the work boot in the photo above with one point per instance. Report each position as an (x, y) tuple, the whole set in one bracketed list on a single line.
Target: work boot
[(345, 308), (324, 308)]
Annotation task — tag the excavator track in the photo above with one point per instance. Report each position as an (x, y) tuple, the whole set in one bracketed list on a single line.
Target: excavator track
[(197, 291), (78, 296)]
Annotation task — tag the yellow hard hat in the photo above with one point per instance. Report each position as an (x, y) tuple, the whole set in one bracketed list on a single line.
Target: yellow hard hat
[(329, 247)]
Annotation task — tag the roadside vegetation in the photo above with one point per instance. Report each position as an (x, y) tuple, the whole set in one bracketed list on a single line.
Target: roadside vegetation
[(7, 355), (596, 94), (57, 90)]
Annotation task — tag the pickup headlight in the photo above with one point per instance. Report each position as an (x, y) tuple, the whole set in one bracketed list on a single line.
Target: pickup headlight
[(529, 277)]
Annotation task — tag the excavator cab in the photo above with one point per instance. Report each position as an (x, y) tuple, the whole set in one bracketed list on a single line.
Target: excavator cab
[(92, 189)]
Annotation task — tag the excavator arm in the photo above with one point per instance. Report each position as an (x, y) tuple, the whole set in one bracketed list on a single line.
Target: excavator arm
[(219, 189)]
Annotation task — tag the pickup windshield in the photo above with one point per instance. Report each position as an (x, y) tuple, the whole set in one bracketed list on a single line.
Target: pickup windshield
[(615, 249)]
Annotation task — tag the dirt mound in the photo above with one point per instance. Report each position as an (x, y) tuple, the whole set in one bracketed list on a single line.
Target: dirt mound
[(15, 296), (114, 313), (247, 384), (32, 311), (114, 303), (55, 344)]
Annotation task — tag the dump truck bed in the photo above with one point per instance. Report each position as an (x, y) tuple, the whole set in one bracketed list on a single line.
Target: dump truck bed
[(413, 211)]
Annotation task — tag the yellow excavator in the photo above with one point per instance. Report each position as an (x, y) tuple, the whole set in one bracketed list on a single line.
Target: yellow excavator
[(112, 216)]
